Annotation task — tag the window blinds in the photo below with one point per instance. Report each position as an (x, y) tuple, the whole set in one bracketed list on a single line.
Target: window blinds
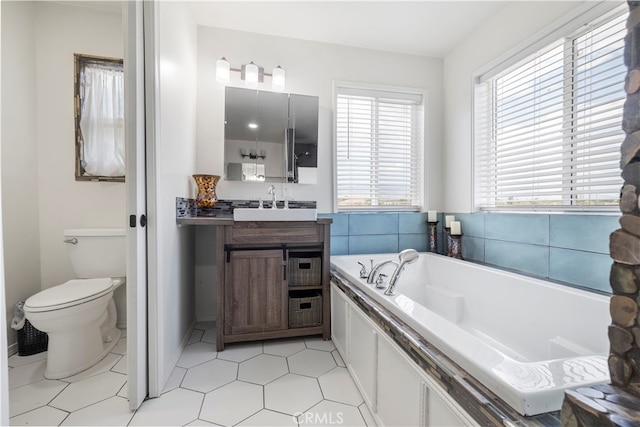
[(548, 130), (379, 138)]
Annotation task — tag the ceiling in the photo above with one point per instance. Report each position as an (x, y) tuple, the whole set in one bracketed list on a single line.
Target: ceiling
[(426, 28)]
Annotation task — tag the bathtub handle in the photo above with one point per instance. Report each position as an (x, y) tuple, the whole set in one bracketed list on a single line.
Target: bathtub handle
[(380, 281), (363, 271)]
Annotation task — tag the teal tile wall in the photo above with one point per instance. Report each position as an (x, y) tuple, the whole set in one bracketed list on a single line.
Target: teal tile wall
[(561, 247), (370, 233), (566, 248)]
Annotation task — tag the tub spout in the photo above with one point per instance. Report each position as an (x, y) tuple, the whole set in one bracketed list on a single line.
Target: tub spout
[(406, 257), (376, 268)]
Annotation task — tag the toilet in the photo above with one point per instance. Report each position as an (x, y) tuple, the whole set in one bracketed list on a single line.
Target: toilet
[(80, 315)]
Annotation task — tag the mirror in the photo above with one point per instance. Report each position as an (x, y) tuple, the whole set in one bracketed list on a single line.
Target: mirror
[(270, 136)]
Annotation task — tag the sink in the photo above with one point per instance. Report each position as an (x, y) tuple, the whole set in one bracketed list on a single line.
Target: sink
[(255, 214)]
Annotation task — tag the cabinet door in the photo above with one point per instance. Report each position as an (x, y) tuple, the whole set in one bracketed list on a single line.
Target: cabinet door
[(339, 321), (361, 354), (256, 297), (401, 393)]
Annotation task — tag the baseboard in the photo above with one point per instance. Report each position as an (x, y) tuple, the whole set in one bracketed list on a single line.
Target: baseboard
[(176, 357), (12, 349), (209, 318)]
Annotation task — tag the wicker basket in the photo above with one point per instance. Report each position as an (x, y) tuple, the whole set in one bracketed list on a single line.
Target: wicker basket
[(305, 309), (31, 340), (305, 271)]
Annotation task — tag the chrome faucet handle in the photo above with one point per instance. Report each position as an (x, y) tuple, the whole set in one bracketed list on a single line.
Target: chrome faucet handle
[(260, 205), (272, 190), (380, 281), (363, 271)]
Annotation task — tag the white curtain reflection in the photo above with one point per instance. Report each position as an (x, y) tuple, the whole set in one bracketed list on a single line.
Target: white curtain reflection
[(102, 121)]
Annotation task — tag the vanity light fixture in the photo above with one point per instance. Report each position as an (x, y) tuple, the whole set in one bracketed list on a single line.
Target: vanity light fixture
[(251, 73)]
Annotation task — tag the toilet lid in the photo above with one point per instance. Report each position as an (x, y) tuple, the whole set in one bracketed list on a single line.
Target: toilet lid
[(70, 293)]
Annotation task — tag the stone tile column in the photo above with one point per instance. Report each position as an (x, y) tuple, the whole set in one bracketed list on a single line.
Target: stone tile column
[(618, 404)]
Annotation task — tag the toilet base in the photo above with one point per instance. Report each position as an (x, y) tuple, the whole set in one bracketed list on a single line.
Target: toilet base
[(89, 352)]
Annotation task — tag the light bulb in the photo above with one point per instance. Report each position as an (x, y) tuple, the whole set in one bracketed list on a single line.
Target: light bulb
[(251, 75), (223, 70), (277, 79)]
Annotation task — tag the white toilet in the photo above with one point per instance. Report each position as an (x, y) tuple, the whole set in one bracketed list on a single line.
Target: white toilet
[(80, 315)]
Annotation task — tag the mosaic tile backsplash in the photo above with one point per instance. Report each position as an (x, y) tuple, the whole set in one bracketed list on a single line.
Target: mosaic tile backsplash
[(560, 247)]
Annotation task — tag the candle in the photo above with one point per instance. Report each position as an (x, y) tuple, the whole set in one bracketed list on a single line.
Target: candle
[(448, 219), (432, 216), (455, 228)]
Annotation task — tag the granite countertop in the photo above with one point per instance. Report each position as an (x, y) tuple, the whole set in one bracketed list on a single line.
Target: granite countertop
[(188, 213)]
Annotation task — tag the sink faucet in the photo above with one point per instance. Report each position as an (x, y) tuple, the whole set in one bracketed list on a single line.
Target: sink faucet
[(272, 190), (405, 257)]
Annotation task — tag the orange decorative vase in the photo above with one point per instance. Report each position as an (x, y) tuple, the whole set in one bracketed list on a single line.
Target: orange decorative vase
[(206, 197)]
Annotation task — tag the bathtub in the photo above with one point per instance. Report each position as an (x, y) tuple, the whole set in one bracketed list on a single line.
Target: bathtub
[(527, 340)]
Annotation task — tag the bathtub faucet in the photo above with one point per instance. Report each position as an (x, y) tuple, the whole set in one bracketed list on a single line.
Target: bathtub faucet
[(376, 268), (405, 257)]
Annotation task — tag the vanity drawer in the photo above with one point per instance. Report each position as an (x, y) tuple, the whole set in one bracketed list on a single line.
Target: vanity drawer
[(274, 232)]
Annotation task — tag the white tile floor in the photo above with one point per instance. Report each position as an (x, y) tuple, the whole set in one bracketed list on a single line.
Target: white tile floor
[(292, 382)]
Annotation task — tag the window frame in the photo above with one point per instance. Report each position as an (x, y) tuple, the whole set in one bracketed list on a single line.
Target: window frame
[(79, 62), (420, 145), (566, 30)]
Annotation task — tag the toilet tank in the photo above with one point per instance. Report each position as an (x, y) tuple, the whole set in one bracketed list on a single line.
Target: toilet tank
[(97, 252)]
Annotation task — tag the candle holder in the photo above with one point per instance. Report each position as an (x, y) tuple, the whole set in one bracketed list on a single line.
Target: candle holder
[(447, 236), (456, 246), (432, 233)]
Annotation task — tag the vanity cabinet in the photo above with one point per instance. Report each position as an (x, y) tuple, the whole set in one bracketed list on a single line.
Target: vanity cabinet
[(274, 280)]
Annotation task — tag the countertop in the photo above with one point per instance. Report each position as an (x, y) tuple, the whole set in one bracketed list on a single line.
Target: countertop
[(187, 213)]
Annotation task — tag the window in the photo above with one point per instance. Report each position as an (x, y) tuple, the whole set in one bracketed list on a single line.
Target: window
[(379, 138), (548, 129), (99, 117)]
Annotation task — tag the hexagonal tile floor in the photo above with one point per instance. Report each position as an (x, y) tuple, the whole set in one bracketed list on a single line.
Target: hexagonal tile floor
[(291, 382)]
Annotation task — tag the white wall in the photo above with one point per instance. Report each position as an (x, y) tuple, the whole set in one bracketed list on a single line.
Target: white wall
[(61, 31), (19, 157), (513, 25), (174, 309), (311, 69), (40, 195)]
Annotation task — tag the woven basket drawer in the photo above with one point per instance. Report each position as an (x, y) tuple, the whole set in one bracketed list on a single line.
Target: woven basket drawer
[(305, 271), (305, 310)]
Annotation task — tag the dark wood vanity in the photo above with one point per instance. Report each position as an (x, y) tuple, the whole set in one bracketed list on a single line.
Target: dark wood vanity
[(273, 280)]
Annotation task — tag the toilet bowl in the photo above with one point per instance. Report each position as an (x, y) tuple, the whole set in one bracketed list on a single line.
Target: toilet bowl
[(80, 315)]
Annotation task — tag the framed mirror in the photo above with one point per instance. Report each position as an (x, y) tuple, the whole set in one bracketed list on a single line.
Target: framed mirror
[(270, 136)]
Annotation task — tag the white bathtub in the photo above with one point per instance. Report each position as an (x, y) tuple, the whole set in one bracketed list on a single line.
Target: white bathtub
[(525, 339)]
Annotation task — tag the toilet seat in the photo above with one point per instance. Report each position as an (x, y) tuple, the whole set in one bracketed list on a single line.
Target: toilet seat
[(68, 294)]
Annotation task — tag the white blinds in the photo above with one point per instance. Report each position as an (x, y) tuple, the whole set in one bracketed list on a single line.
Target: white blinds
[(548, 130), (379, 138)]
